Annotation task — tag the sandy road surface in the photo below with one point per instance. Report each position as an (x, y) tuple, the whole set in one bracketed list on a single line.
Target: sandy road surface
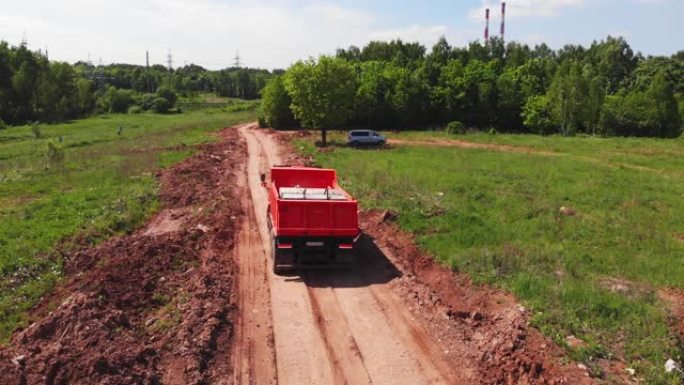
[(335, 327)]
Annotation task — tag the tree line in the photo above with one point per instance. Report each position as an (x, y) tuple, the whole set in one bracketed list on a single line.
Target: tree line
[(604, 89), (32, 88)]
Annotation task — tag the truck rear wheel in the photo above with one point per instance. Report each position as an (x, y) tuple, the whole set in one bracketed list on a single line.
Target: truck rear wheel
[(278, 266)]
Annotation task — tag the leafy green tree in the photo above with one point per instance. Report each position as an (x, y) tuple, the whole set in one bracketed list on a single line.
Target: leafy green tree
[(667, 109), (408, 95), (449, 94), (510, 100), (567, 97), (85, 97), (614, 60), (642, 113), (322, 92), (372, 106), (596, 94), (396, 51), (275, 105), (673, 69), (536, 115), (480, 92)]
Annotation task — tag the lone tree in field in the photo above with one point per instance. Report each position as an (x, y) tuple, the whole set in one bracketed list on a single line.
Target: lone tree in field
[(322, 92)]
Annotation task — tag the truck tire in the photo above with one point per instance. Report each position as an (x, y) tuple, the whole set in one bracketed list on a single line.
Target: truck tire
[(277, 269)]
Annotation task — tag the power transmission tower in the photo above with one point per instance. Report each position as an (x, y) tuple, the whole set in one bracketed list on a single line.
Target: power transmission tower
[(147, 71), (169, 60), (236, 60)]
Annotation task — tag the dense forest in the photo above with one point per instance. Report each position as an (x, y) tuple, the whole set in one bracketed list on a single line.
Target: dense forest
[(32, 88), (604, 89)]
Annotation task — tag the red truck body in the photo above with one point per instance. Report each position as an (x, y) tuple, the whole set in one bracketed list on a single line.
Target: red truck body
[(313, 220)]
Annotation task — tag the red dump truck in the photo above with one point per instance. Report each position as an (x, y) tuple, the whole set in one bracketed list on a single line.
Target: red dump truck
[(313, 221)]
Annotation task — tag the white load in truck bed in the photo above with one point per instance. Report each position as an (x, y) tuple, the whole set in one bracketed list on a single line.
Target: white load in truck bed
[(315, 194)]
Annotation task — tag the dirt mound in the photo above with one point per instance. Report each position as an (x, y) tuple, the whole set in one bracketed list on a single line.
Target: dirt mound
[(151, 307), (472, 323), (674, 299)]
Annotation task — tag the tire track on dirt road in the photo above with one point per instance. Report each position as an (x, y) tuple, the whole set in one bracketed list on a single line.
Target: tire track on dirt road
[(337, 327), (301, 357), (253, 354)]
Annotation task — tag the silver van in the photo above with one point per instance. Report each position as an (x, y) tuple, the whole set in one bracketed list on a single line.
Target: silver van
[(365, 137)]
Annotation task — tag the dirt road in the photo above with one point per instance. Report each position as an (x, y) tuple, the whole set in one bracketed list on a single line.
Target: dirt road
[(189, 298), (341, 327)]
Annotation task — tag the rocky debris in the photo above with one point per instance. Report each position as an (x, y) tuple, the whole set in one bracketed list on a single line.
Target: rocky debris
[(19, 360), (150, 306), (567, 211), (672, 367), (389, 216), (575, 343)]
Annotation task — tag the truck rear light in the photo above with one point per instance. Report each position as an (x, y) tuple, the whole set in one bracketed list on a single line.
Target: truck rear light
[(284, 246), (345, 246)]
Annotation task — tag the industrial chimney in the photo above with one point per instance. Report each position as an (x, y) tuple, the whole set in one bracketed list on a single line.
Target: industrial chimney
[(486, 31), (503, 20)]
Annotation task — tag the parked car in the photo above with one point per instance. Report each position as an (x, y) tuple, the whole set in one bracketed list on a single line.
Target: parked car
[(365, 137)]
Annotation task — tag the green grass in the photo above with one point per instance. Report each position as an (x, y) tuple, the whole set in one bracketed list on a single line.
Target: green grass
[(104, 186), (495, 216)]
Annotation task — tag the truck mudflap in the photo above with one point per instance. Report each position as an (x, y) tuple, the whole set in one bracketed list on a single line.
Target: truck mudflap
[(305, 253)]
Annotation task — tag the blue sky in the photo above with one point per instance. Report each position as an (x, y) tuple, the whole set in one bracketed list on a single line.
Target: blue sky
[(275, 33)]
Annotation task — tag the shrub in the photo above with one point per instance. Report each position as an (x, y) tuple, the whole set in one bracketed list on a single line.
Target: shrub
[(455, 128), (35, 129), (3, 125), (115, 100), (135, 109), (161, 105), (147, 101), (492, 131), (54, 153), (262, 121), (168, 94)]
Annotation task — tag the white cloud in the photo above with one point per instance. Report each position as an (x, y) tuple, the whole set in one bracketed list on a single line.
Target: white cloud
[(267, 33), (525, 8)]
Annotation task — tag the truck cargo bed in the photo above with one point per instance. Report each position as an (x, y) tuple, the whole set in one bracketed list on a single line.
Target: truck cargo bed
[(313, 220)]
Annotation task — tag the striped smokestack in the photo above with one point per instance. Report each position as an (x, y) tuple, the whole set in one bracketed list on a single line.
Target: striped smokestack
[(503, 20), (486, 32)]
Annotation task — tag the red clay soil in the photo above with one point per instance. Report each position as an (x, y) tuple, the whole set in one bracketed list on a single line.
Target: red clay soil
[(150, 307), (674, 299), (473, 323)]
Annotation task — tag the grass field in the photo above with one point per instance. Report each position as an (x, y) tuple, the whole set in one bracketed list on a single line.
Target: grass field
[(494, 214), (104, 185)]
